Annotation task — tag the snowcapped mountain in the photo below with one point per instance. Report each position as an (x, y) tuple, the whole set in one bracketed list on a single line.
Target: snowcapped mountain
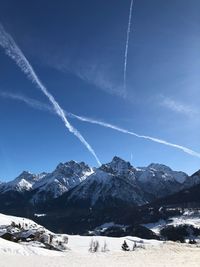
[(116, 180), (160, 180), (167, 173), (120, 180), (65, 177), (77, 197), (121, 167), (110, 181), (24, 182)]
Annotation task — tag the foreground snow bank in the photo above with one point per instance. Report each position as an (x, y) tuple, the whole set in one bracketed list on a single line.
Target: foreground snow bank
[(11, 248), (26, 223), (81, 244), (27, 232), (165, 255), (32, 232)]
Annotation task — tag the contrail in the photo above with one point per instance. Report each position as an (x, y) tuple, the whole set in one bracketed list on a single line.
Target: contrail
[(127, 43), (14, 52), (29, 101), (36, 104), (157, 140)]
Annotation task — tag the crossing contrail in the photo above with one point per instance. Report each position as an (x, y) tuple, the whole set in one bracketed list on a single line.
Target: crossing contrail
[(29, 101), (127, 44), (14, 52), (41, 106), (157, 140)]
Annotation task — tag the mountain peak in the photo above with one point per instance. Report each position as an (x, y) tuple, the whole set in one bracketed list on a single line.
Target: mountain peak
[(119, 163), (118, 166), (66, 176), (25, 174), (159, 167), (71, 167), (118, 159)]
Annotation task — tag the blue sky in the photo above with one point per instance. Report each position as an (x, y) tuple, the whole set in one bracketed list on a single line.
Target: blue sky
[(77, 50)]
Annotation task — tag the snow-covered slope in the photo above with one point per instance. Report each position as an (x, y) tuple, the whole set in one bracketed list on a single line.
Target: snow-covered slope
[(117, 179), (27, 232), (75, 243), (168, 254), (167, 173), (65, 177), (189, 217), (6, 220), (150, 253), (24, 182), (160, 180), (114, 180), (12, 248), (119, 167)]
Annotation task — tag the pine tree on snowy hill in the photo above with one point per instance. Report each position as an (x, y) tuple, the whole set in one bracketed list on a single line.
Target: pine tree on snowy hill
[(125, 247)]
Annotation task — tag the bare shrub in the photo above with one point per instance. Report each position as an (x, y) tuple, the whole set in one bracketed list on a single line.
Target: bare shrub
[(94, 246), (104, 247)]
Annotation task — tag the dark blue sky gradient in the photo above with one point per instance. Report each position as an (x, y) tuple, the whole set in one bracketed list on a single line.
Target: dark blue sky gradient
[(77, 49)]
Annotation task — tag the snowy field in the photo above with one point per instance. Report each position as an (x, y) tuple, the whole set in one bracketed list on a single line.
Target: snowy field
[(149, 252), (155, 254)]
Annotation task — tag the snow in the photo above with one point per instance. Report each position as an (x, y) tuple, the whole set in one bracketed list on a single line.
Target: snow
[(161, 172), (105, 226), (167, 254), (81, 244), (78, 244), (145, 183), (152, 253), (7, 220), (120, 167), (103, 183), (157, 226), (189, 217), (12, 248), (40, 215), (24, 182), (64, 177), (34, 234)]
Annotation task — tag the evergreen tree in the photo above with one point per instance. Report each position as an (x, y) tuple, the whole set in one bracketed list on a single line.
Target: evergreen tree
[(125, 247)]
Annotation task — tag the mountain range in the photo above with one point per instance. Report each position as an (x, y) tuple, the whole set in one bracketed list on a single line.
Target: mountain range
[(77, 196)]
